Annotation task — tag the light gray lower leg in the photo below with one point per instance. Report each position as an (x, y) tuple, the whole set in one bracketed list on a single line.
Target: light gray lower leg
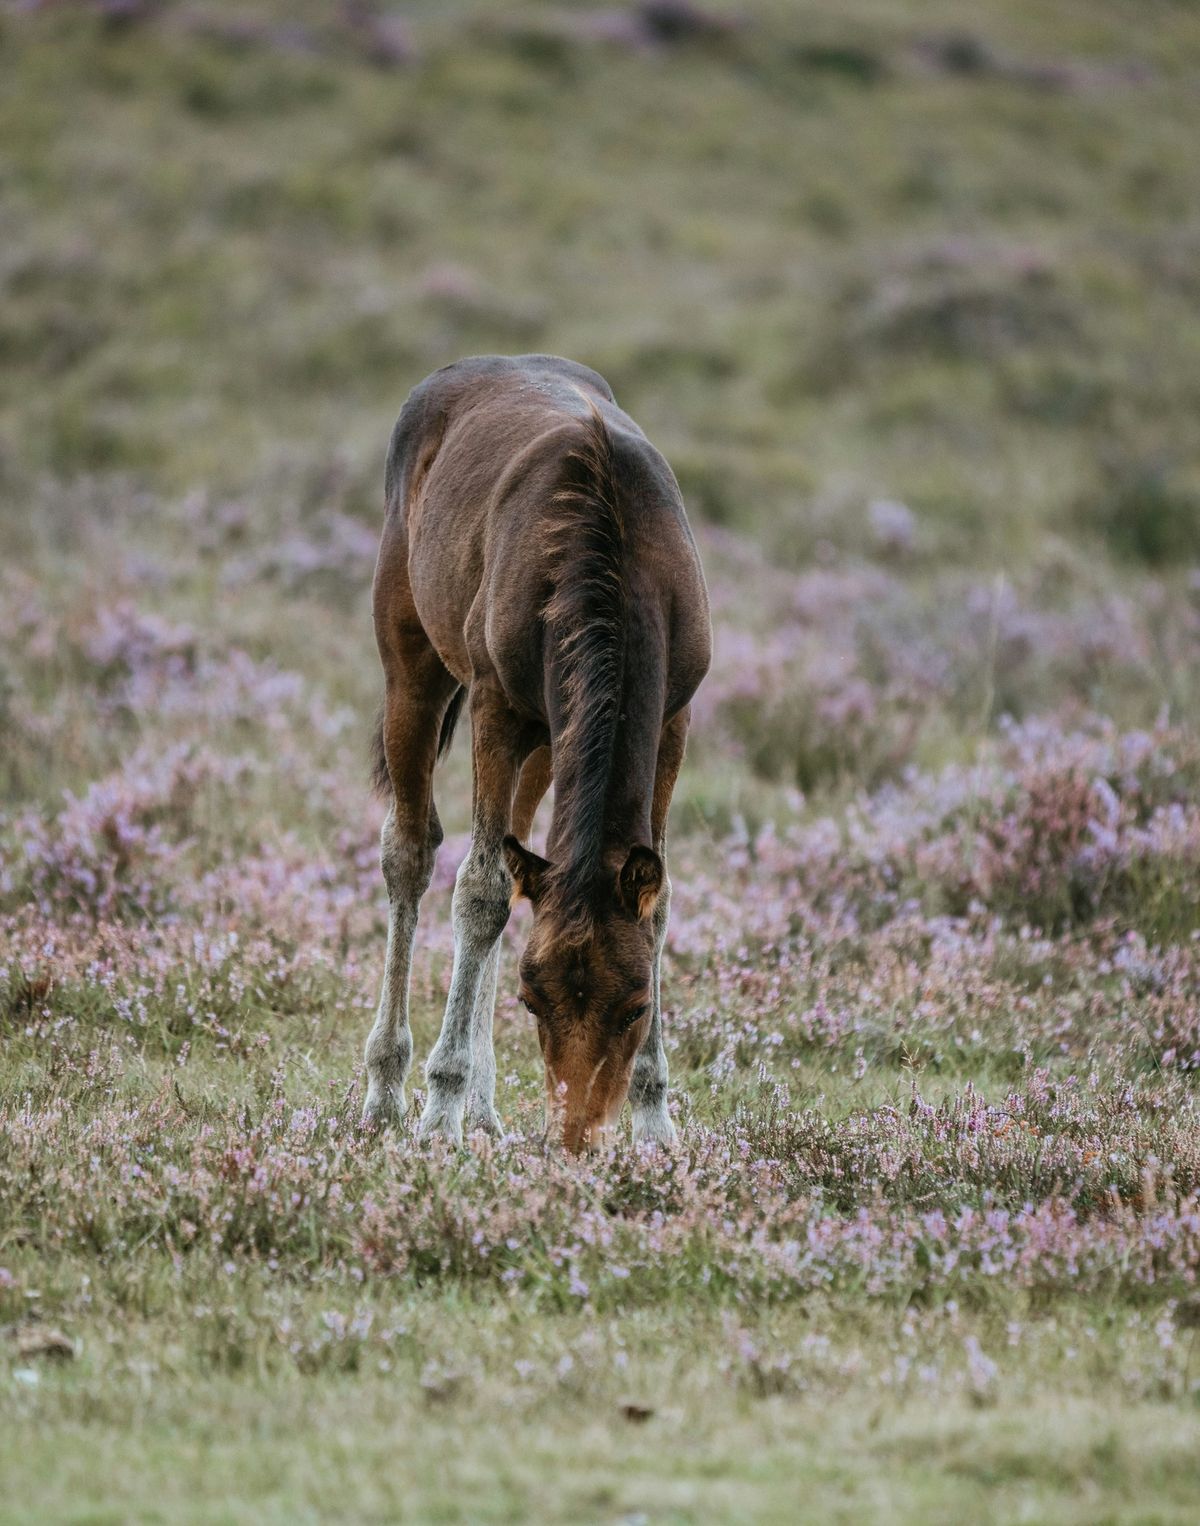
[(407, 870), (480, 910), (648, 1088), (481, 1091)]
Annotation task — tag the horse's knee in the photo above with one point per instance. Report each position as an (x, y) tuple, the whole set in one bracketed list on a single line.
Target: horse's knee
[(407, 858), (481, 901)]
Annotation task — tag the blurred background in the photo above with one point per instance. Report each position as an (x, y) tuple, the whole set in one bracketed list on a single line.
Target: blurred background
[(907, 295)]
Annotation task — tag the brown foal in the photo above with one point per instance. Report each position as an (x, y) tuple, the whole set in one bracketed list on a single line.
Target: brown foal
[(536, 560)]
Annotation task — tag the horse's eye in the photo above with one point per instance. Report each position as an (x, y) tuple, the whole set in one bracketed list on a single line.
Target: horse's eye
[(636, 1015)]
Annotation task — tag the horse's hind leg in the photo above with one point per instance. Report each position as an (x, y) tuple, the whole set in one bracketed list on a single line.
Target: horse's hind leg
[(481, 1095), (419, 690), (648, 1089)]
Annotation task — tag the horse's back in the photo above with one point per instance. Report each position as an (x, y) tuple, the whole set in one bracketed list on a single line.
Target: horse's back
[(477, 463), (481, 384)]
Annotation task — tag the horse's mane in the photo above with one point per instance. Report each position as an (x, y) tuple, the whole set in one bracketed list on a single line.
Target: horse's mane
[(585, 619)]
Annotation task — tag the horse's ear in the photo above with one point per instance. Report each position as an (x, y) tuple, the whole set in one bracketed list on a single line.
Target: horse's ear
[(640, 881), (527, 869)]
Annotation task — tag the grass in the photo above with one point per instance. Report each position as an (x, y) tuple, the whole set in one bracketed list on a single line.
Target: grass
[(911, 309), (294, 1457)]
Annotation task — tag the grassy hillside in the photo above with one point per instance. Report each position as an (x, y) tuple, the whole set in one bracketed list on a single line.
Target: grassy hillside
[(910, 300)]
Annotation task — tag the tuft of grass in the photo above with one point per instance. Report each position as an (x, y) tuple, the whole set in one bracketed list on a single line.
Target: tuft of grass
[(1147, 514)]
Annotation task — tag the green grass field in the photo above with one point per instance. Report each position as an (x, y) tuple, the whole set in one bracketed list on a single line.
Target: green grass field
[(909, 298)]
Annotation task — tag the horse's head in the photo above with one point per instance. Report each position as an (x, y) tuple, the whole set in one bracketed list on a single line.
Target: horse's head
[(587, 980)]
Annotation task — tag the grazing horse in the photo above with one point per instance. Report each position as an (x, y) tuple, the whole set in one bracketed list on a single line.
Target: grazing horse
[(536, 561)]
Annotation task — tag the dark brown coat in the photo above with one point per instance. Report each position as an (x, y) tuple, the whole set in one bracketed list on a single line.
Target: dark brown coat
[(536, 558)]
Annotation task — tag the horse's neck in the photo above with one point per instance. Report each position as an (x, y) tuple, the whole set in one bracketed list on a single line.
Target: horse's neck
[(629, 788)]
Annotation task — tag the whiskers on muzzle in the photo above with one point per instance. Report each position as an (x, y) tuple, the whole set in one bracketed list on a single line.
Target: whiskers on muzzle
[(584, 1118)]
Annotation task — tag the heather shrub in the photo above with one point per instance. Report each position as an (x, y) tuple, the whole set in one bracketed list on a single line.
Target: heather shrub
[(116, 849), (1061, 839), (1025, 853), (808, 721), (844, 676), (1062, 1140), (741, 1216)]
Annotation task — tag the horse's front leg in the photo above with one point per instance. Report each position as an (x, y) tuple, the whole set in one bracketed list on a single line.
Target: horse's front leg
[(481, 1096), (461, 1065), (480, 910), (481, 1092), (648, 1087)]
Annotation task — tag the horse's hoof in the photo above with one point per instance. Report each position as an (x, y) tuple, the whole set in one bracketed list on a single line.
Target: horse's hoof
[(655, 1129), (482, 1118), (441, 1117), (384, 1109)]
